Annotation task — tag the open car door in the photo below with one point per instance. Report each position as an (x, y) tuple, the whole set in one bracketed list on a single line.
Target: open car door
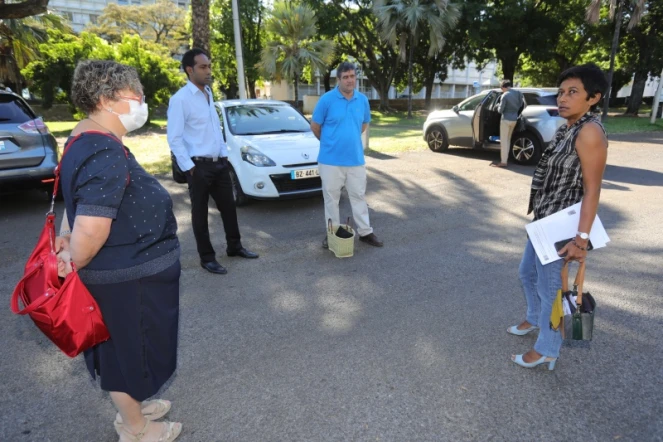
[(479, 118)]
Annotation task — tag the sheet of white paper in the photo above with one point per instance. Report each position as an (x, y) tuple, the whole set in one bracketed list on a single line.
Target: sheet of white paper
[(559, 226)]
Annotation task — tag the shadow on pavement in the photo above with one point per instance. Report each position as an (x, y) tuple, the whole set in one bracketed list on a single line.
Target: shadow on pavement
[(406, 342), (631, 175)]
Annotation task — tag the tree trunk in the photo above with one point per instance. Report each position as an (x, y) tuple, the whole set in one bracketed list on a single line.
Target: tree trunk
[(429, 82), (296, 92), (252, 88), (409, 77), (23, 9), (613, 53), (326, 79), (200, 24), (638, 89), (509, 63), (231, 91), (383, 92)]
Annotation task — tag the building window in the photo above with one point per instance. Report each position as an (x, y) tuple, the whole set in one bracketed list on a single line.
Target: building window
[(69, 16), (135, 2), (94, 18), (181, 3), (122, 2)]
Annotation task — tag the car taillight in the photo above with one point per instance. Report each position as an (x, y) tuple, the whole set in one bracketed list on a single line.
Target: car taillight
[(36, 126), (553, 112)]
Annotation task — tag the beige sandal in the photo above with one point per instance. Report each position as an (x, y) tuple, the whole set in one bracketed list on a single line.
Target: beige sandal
[(161, 408), (169, 432)]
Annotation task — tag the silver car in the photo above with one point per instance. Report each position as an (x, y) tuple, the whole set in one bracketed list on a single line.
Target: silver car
[(475, 122), (28, 151)]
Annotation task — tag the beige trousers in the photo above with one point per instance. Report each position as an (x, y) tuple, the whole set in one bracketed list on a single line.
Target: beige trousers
[(334, 178), (506, 130)]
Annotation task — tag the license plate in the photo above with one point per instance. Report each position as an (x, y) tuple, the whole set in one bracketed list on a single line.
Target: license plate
[(304, 173)]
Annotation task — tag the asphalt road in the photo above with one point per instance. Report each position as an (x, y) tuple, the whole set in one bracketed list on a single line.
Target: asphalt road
[(404, 343)]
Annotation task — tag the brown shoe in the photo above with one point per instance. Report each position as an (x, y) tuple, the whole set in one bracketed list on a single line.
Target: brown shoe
[(372, 240)]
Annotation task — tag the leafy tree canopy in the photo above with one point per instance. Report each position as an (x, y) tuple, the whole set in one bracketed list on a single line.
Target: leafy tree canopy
[(161, 22), (53, 72)]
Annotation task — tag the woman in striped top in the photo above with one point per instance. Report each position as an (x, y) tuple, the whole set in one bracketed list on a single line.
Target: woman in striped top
[(570, 171)]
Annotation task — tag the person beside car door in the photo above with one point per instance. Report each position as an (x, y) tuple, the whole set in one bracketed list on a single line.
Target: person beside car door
[(195, 138), (511, 105)]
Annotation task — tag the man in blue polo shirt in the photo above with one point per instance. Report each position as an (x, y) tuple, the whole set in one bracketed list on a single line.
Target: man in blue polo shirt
[(339, 119)]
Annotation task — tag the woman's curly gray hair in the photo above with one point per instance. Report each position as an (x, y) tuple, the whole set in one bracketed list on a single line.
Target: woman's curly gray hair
[(94, 79)]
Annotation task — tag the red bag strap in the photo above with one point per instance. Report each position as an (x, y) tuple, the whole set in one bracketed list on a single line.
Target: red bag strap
[(17, 293), (66, 148)]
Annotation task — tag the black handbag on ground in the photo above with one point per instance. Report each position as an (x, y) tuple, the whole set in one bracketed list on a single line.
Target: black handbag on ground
[(178, 175)]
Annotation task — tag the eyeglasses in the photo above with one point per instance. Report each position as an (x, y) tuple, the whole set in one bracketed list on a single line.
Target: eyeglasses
[(140, 99)]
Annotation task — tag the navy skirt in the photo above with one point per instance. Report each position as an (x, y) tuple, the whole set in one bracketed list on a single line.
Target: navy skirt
[(142, 319)]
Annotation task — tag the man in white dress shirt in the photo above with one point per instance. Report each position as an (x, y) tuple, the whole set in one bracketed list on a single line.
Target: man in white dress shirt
[(196, 140)]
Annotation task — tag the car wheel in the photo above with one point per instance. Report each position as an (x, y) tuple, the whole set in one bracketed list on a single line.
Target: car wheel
[(240, 198), (437, 139), (526, 148)]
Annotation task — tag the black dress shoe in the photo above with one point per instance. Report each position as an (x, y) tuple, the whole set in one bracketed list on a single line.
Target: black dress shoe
[(371, 239), (243, 253), (213, 267)]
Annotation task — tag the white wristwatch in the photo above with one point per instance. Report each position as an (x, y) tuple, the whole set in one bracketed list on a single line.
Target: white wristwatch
[(583, 235)]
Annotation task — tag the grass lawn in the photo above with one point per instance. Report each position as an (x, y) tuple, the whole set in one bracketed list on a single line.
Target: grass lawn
[(620, 124), (390, 133)]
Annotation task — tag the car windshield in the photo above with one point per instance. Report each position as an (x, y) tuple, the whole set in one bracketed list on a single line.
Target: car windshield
[(262, 119), (471, 103), (14, 110)]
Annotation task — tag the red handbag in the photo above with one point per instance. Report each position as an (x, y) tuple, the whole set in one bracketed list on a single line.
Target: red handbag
[(62, 308)]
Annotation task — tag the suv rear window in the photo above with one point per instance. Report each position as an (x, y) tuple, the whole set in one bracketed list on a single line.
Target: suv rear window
[(14, 110), (543, 100)]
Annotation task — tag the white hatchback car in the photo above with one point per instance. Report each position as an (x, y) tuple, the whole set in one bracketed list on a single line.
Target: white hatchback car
[(271, 149)]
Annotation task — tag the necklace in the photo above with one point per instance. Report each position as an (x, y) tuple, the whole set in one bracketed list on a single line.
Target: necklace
[(102, 126)]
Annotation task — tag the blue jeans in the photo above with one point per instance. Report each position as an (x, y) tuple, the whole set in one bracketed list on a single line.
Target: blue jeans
[(540, 284)]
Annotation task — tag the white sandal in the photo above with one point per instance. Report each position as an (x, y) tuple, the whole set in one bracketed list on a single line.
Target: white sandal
[(162, 407), (169, 432)]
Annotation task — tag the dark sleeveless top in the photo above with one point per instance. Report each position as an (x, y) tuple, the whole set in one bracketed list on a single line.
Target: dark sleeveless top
[(557, 182)]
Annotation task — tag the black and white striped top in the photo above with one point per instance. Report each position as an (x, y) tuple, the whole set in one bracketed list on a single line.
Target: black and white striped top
[(557, 182)]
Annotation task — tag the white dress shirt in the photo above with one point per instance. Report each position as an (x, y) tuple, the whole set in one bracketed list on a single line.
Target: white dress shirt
[(194, 129)]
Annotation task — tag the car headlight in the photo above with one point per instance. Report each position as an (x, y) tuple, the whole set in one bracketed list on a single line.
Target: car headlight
[(254, 156)]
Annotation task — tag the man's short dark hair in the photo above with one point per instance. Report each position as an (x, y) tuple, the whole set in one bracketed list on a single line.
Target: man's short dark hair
[(346, 66), (592, 77), (189, 58), (506, 84)]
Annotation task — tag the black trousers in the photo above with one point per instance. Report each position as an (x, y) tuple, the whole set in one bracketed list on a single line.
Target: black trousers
[(212, 179)]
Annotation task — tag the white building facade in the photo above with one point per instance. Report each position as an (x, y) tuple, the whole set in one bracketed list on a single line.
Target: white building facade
[(460, 83), (82, 12)]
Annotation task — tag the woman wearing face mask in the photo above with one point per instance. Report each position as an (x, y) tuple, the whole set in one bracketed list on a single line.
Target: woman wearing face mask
[(121, 236)]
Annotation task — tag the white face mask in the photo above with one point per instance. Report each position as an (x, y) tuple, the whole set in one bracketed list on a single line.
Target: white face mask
[(136, 118)]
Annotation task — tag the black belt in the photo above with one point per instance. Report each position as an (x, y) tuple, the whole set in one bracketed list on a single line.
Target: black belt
[(209, 159)]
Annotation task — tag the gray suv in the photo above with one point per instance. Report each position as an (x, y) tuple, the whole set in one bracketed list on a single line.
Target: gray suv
[(28, 151), (475, 123)]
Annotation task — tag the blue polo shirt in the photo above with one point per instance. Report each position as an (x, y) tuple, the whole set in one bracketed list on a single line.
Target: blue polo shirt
[(341, 120)]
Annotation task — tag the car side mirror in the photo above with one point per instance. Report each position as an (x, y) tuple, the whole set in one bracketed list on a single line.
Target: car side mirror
[(455, 109)]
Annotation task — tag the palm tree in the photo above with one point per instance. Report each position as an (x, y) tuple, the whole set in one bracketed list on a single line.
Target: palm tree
[(403, 20), (200, 24), (19, 43), (593, 14), (293, 29)]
